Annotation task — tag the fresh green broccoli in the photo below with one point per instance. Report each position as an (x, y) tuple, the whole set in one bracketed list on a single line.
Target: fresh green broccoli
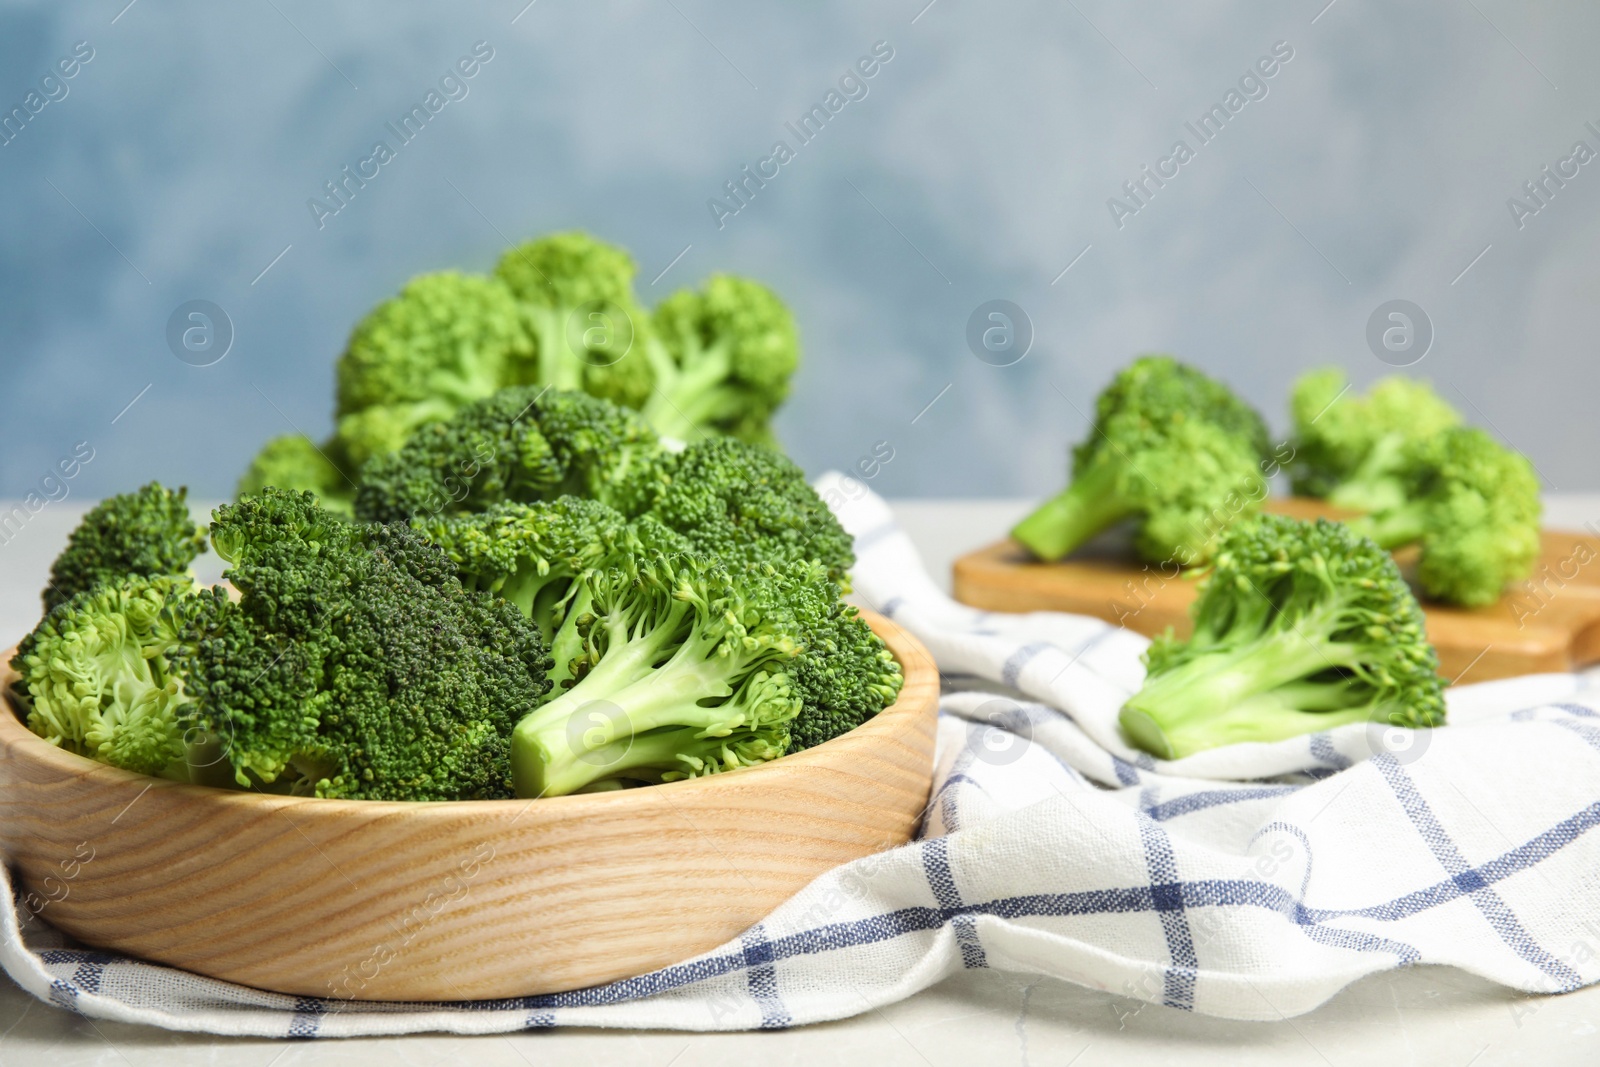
[(144, 532), (97, 678), (529, 554), (353, 664), (447, 339), (1473, 505), (745, 503), (682, 667), (295, 462), (1349, 449), (1299, 627), (845, 673), (535, 555), (588, 330), (521, 445), (723, 358), (1170, 448)]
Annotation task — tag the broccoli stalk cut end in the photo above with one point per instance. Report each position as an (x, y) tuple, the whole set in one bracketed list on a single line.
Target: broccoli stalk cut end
[(1089, 505)]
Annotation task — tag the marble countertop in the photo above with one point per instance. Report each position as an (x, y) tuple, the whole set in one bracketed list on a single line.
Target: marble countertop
[(1425, 1015)]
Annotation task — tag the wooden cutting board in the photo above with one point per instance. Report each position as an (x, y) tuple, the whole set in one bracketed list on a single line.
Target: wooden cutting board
[(1549, 623)]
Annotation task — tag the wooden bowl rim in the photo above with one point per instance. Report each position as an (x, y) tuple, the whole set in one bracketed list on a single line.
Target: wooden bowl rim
[(916, 663)]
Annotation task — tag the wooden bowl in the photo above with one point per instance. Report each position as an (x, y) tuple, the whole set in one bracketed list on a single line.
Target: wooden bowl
[(376, 900)]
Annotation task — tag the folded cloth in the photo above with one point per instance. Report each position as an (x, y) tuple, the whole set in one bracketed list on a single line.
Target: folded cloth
[(1251, 882)]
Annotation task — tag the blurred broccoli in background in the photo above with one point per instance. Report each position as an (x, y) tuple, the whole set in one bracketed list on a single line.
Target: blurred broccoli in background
[(575, 293), (295, 462), (446, 340), (557, 312), (1170, 448), (1473, 507), (1299, 627), (1349, 450), (145, 532), (723, 358)]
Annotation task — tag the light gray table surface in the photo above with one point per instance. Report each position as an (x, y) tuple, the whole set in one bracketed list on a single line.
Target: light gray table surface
[(1428, 1015)]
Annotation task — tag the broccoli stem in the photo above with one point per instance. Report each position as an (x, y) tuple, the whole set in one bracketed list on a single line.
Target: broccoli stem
[(559, 366), (567, 644), (536, 595), (692, 394), (1375, 484), (587, 733), (1392, 529), (650, 758), (1260, 693), (596, 729), (1068, 519)]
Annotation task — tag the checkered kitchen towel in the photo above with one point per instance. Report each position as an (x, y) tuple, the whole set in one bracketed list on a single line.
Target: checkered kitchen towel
[(1251, 882)]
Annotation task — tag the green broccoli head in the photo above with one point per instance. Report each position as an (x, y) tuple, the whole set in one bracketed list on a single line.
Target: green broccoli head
[(723, 362), (144, 532), (521, 445), (354, 663), (1156, 387), (681, 669), (293, 461), (1349, 449), (845, 674), (744, 503), (529, 554), (576, 294), (1473, 506), (1171, 449), (1298, 627), (445, 340), (97, 678)]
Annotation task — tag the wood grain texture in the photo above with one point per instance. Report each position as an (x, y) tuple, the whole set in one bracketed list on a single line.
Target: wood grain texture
[(1549, 623), (374, 900)]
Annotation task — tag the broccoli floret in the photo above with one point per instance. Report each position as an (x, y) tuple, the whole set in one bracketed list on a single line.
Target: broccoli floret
[(1170, 448), (1349, 450), (97, 679), (1473, 506), (352, 665), (530, 554), (845, 673), (682, 669), (723, 360), (588, 330), (355, 664), (144, 532), (1299, 627), (295, 462), (744, 503), (534, 555), (447, 339), (521, 445)]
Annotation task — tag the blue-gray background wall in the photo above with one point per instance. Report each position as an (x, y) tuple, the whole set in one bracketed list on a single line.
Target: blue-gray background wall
[(978, 166)]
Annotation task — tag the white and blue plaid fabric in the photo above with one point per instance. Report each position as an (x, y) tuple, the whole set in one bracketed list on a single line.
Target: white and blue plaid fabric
[(1252, 882)]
